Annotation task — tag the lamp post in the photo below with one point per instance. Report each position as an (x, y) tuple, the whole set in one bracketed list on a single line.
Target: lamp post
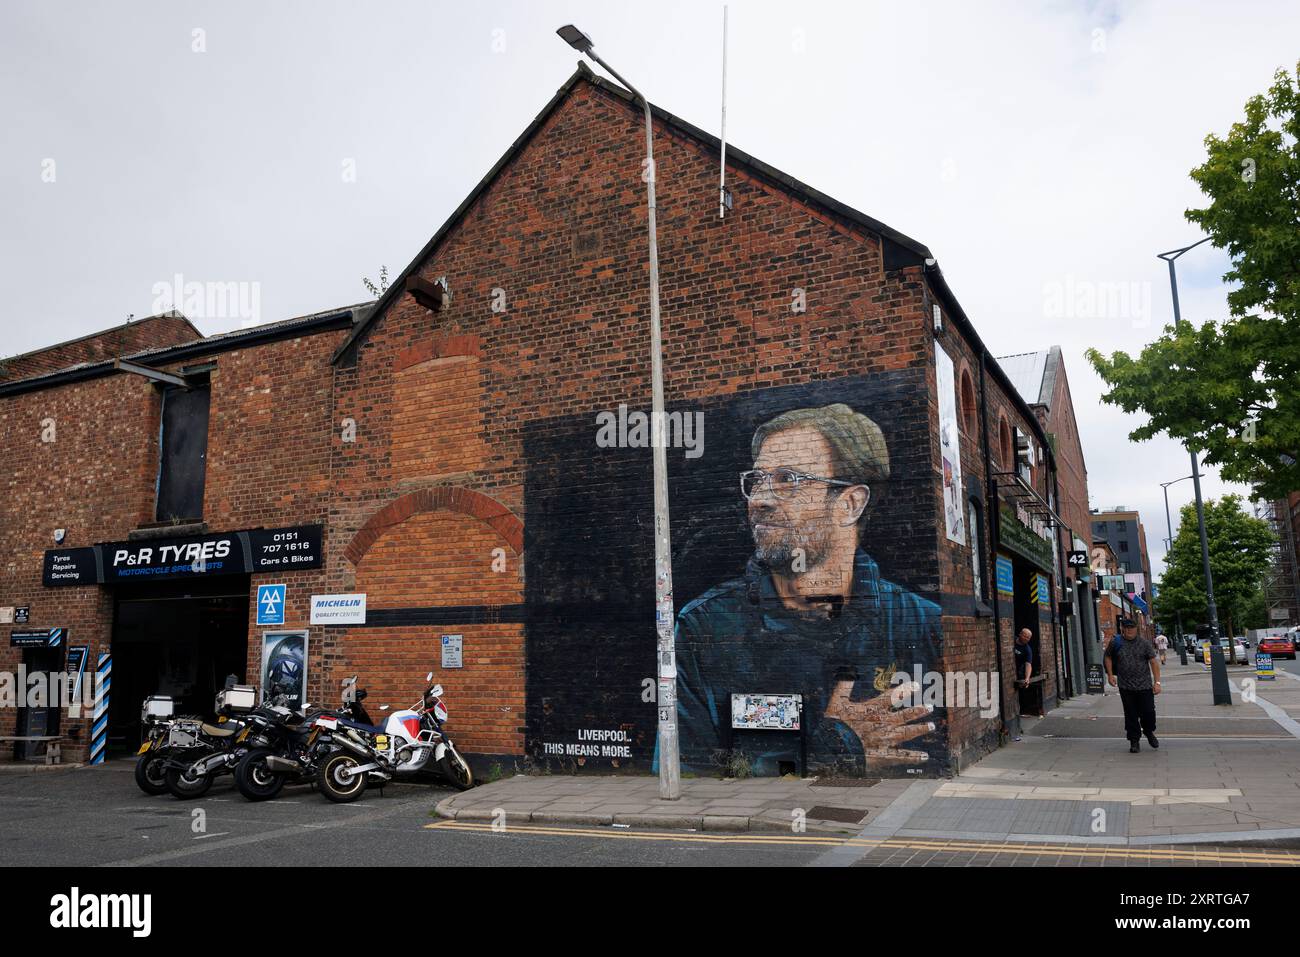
[(1169, 544), (1220, 675), (670, 784), (1169, 257)]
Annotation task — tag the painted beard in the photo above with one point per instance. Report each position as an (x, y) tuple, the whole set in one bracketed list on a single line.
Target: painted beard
[(777, 547)]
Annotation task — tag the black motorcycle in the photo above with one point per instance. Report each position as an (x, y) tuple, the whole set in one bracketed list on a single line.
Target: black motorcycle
[(188, 772), (290, 746)]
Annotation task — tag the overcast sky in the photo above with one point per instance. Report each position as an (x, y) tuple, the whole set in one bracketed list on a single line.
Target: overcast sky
[(1040, 151)]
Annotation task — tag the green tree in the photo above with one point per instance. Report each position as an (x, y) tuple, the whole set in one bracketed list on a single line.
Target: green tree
[(1231, 390), (1240, 551)]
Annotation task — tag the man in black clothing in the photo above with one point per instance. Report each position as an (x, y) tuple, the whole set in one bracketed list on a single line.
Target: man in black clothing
[(1133, 665), (1024, 657)]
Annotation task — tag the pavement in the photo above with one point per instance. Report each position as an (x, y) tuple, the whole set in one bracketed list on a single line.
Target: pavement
[(1222, 774), (1223, 790)]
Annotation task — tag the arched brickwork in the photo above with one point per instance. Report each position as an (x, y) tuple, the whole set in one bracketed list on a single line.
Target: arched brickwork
[(444, 498)]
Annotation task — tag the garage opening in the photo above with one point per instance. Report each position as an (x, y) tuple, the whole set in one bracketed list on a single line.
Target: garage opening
[(176, 638)]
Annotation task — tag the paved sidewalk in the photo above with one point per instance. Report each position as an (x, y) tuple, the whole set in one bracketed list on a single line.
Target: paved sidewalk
[(709, 804), (1221, 774)]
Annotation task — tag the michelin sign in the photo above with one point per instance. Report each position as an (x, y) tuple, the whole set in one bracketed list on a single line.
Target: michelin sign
[(338, 609)]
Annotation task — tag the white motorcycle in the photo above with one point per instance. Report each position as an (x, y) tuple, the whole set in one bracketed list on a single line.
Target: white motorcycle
[(410, 740)]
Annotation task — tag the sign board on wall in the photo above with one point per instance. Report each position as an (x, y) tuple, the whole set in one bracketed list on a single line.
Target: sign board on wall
[(77, 656), (1006, 579), (270, 604), (452, 647), (22, 614), (229, 553), (284, 666), (338, 609), (7, 615), (38, 638), (1021, 539)]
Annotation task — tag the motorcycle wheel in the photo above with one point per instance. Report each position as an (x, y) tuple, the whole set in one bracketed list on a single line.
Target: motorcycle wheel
[(185, 786), (336, 787), (150, 775), (455, 769), (255, 781)]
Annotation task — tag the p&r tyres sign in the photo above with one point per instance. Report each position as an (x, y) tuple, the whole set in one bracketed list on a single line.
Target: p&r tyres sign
[(196, 556)]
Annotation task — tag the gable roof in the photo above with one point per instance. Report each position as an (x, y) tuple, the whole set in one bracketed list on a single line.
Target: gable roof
[(907, 248), (897, 249)]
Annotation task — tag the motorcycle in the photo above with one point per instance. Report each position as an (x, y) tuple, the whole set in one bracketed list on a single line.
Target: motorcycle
[(163, 732), (410, 740), (287, 746), (214, 749)]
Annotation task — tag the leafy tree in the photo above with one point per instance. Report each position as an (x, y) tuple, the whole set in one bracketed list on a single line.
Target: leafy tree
[(1240, 551), (1231, 390)]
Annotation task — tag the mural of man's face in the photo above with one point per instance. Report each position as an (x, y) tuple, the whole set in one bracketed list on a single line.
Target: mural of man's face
[(816, 516)]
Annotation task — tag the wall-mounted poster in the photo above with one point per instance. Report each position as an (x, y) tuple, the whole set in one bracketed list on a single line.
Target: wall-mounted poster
[(954, 515), (284, 666), (766, 712)]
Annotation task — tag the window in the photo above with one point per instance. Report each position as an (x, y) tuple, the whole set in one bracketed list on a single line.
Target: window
[(182, 453), (1004, 446), (1101, 527), (1122, 526), (1123, 546), (967, 403), (975, 526)]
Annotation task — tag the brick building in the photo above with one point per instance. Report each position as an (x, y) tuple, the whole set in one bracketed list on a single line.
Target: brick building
[(473, 456), (1122, 529), (1041, 380)]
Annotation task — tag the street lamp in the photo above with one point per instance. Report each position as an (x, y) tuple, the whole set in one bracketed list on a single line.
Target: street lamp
[(1196, 470), (1169, 544), (670, 784)]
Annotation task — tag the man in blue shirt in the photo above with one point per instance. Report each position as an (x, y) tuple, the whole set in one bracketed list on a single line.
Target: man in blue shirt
[(811, 614)]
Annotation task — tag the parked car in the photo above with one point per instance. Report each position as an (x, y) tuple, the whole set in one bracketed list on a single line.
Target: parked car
[(1238, 647), (1279, 646)]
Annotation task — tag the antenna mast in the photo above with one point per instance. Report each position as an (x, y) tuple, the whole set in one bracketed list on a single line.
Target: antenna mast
[(722, 172)]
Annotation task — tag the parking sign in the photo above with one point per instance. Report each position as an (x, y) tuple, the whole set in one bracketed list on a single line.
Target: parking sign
[(270, 604)]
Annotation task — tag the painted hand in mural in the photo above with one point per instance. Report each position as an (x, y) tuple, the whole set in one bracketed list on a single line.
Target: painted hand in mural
[(880, 724)]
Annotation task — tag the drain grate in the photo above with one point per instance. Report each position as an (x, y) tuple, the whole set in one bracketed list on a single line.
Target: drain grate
[(845, 815)]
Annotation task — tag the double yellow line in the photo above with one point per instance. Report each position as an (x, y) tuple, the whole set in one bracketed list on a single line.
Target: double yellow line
[(1191, 855)]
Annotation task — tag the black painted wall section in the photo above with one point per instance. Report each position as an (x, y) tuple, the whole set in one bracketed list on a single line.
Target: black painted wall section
[(589, 593)]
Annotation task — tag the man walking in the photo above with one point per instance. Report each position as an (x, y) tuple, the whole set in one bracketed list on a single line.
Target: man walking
[(1162, 646), (1132, 666)]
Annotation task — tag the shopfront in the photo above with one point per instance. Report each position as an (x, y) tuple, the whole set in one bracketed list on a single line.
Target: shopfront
[(180, 613)]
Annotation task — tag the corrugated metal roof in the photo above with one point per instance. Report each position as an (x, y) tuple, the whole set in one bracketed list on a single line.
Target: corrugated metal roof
[(1026, 370)]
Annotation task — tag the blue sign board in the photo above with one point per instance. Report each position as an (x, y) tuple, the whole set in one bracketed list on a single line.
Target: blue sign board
[(270, 604), (1044, 594), (1006, 585)]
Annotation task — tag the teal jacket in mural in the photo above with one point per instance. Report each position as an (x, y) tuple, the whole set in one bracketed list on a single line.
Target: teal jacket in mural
[(739, 637)]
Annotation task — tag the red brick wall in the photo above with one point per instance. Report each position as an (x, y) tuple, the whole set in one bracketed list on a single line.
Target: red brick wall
[(153, 332), (268, 465)]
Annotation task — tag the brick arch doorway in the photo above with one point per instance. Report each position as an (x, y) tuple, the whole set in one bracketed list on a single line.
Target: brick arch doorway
[(437, 562)]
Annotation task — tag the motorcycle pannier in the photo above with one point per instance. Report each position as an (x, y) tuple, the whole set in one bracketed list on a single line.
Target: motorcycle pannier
[(237, 698), (157, 706)]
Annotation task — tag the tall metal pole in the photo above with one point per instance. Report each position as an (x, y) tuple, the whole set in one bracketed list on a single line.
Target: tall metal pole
[(1196, 468), (670, 777), (1169, 544)]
